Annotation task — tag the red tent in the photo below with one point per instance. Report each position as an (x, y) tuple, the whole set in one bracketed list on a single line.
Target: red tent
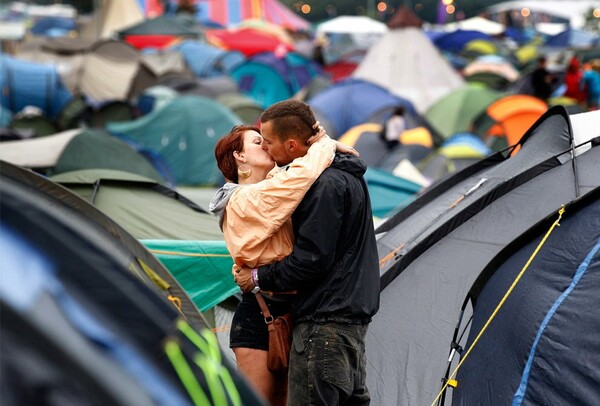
[(248, 41)]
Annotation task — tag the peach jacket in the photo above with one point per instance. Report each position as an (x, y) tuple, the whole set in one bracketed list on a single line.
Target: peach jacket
[(256, 219)]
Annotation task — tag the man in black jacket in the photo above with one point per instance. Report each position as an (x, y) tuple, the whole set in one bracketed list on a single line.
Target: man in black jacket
[(333, 267)]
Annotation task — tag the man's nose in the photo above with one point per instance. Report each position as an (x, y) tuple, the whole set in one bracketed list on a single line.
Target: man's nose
[(263, 146)]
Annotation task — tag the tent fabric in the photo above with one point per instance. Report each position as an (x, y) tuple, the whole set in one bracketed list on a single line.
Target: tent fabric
[(103, 299), (456, 111), (352, 102), (234, 12), (248, 41), (455, 41), (31, 84), (388, 192), (549, 307), (37, 152), (425, 273), (244, 107), (509, 117), (404, 18), (154, 67), (184, 138), (110, 16), (423, 82), (96, 149), (108, 70), (351, 25), (203, 268), (476, 24), (573, 38), (269, 78), (158, 276), (139, 205), (206, 60)]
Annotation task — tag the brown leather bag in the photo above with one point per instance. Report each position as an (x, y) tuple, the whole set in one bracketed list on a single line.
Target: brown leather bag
[(280, 337)]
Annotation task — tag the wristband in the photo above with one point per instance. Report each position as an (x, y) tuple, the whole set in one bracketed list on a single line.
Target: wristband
[(254, 276)]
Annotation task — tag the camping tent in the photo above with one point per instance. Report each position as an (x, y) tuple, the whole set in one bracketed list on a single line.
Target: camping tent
[(235, 11), (110, 16), (505, 121), (78, 322), (456, 111), (77, 149), (405, 62), (434, 249), (352, 102), (207, 60), (108, 70), (184, 132), (31, 84), (160, 212), (269, 78), (549, 308)]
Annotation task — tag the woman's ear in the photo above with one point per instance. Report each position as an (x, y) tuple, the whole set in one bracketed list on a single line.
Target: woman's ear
[(239, 156)]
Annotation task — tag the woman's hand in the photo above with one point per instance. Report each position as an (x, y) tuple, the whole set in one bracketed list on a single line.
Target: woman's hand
[(320, 134), (345, 149)]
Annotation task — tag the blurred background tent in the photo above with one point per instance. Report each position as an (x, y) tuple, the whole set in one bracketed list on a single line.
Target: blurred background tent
[(424, 80), (184, 138), (238, 10)]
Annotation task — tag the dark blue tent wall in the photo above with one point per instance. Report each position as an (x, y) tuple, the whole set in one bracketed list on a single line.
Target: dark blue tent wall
[(31, 84), (543, 344)]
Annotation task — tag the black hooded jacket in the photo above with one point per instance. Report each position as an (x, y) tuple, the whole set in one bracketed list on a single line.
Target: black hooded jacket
[(334, 265)]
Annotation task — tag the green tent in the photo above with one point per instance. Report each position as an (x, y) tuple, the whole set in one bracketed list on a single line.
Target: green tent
[(184, 132), (388, 192), (243, 106), (95, 149), (456, 111), (143, 207), (203, 268)]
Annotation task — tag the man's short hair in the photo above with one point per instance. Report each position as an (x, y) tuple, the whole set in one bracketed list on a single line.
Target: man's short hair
[(291, 118)]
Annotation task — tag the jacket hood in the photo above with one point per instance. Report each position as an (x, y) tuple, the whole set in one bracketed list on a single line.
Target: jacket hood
[(220, 199), (349, 163)]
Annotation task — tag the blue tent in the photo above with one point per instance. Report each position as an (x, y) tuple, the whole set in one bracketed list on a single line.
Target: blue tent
[(573, 38), (184, 132), (31, 84), (388, 192), (352, 102), (205, 60), (269, 79), (456, 40), (53, 26)]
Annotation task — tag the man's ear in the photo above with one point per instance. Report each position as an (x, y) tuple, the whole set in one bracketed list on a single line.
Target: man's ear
[(292, 145)]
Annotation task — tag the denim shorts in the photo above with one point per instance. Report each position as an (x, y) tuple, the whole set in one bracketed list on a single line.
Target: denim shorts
[(248, 328)]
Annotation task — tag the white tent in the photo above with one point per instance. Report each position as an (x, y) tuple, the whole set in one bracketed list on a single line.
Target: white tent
[(572, 10), (476, 24), (352, 25), (111, 16), (37, 152), (405, 62)]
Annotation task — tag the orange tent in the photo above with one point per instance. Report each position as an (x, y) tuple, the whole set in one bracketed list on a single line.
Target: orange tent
[(509, 118)]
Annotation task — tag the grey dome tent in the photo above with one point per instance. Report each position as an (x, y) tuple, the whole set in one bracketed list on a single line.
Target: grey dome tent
[(75, 309), (434, 249)]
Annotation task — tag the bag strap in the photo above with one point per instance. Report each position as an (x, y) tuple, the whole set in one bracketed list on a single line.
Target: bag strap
[(264, 308)]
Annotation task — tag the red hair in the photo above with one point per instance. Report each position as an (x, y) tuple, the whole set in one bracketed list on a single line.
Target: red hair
[(227, 145)]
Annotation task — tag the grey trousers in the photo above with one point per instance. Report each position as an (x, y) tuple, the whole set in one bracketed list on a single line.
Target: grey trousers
[(328, 365)]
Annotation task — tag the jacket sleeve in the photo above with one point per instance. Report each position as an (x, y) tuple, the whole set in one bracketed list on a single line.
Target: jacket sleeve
[(256, 211), (322, 213)]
